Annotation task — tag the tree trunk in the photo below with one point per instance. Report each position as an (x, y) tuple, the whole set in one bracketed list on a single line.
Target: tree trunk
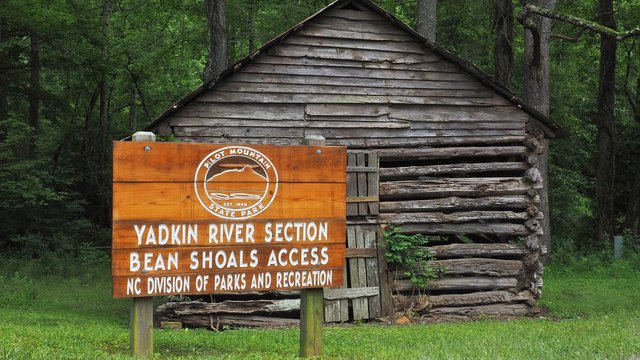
[(632, 215), (104, 81), (34, 94), (218, 56), (536, 54), (4, 96), (4, 103), (606, 126), (102, 119), (251, 29), (536, 95), (95, 146), (426, 22), (503, 48), (133, 109)]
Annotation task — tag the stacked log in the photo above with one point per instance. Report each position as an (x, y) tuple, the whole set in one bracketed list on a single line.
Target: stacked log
[(468, 286), (487, 196), (231, 313), (534, 137)]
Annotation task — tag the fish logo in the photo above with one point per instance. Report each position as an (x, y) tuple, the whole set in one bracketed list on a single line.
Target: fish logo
[(236, 182)]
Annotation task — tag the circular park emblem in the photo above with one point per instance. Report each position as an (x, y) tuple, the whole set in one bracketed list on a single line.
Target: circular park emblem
[(236, 182)]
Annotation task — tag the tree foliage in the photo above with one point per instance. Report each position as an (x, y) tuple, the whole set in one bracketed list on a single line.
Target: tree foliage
[(410, 255), (55, 175)]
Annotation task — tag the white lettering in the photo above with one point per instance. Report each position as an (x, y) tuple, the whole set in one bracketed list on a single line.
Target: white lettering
[(287, 229), (134, 261), (201, 282), (194, 261), (213, 233), (163, 234), (312, 227), (227, 233), (324, 230), (133, 286), (325, 255), (151, 237), (272, 259), (168, 284), (175, 234), (254, 258), (139, 232), (193, 234), (230, 282), (267, 232)]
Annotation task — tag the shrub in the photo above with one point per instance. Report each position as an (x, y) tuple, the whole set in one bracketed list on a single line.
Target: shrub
[(410, 255)]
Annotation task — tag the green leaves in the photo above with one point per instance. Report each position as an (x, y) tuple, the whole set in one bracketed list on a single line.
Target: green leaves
[(410, 254)]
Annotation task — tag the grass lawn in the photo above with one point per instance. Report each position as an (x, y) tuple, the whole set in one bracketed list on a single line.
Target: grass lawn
[(594, 314)]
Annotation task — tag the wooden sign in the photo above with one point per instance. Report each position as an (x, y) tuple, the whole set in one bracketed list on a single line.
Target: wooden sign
[(201, 219)]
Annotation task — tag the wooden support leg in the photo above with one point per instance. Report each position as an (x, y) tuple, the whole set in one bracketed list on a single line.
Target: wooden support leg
[(141, 328), (311, 317), (311, 301)]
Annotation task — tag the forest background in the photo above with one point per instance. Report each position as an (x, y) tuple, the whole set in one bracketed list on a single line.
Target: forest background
[(77, 74)]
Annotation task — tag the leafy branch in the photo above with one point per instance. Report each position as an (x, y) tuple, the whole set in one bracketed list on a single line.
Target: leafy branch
[(409, 253), (583, 23)]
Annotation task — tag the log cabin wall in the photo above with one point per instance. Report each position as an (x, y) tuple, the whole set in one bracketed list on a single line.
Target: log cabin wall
[(457, 160)]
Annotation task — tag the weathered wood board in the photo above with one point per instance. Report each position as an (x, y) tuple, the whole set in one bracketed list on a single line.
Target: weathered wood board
[(363, 291), (360, 298), (200, 219), (457, 161)]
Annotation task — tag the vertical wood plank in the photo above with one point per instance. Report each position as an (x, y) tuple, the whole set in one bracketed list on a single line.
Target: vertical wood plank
[(344, 304), (141, 319), (360, 306), (331, 311), (338, 310), (372, 182), (311, 301), (362, 183), (386, 299), (372, 271), (353, 266), (352, 186), (362, 268)]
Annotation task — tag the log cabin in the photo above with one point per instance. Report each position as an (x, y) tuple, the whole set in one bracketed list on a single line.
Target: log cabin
[(435, 147)]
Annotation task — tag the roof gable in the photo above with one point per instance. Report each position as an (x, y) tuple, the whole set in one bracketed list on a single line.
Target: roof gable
[(384, 47)]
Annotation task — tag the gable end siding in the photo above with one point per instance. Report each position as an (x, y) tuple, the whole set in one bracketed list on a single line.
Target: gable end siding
[(356, 80)]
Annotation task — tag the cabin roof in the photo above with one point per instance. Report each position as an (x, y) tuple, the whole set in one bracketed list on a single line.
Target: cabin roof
[(551, 128)]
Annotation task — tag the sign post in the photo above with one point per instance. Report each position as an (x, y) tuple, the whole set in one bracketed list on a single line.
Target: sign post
[(203, 218), (141, 331), (311, 302), (141, 320), (311, 318)]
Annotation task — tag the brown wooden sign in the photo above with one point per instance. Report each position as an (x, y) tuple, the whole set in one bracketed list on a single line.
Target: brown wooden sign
[(200, 218)]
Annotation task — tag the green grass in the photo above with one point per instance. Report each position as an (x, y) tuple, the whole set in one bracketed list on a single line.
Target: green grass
[(594, 314)]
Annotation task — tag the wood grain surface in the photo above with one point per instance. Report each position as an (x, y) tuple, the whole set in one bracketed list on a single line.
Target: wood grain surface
[(177, 162), (220, 232), (166, 233), (224, 259), (120, 283), (166, 201)]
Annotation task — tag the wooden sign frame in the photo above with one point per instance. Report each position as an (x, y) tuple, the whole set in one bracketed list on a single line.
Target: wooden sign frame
[(202, 218)]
